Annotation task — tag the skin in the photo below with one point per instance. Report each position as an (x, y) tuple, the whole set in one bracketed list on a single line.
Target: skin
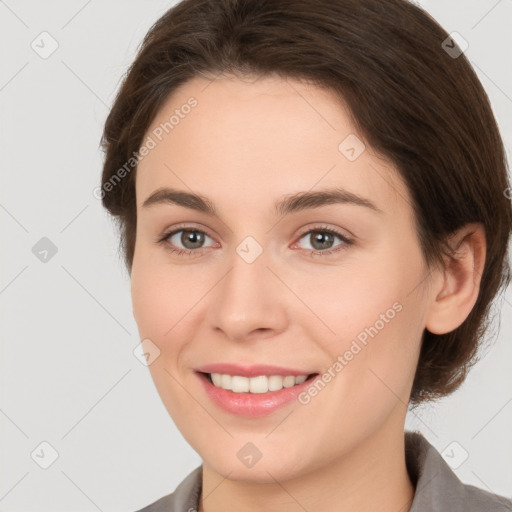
[(245, 145)]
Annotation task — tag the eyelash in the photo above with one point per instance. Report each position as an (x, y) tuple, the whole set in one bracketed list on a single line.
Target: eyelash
[(319, 229)]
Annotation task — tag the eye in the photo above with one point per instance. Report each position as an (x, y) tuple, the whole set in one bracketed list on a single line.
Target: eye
[(190, 238), (322, 238)]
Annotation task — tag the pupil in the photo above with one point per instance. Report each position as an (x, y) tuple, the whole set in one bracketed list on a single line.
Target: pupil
[(324, 240), (193, 237)]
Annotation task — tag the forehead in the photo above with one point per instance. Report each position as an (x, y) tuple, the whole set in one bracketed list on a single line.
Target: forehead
[(255, 139)]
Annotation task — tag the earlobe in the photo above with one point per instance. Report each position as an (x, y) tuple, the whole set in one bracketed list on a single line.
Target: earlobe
[(459, 283)]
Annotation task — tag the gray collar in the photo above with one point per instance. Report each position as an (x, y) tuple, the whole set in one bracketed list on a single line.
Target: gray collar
[(438, 487)]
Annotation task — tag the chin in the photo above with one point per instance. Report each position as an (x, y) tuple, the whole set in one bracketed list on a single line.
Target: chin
[(267, 469)]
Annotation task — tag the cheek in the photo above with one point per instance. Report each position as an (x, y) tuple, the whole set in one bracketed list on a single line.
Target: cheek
[(165, 308), (150, 301), (157, 292), (160, 304), (347, 301), (157, 306), (373, 323)]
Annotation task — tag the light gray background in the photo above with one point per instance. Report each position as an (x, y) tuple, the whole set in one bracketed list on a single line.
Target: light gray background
[(68, 373)]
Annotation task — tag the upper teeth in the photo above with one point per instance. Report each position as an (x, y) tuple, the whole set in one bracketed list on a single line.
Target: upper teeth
[(260, 384)]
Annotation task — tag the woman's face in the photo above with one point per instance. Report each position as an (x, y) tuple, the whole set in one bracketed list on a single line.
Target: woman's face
[(250, 291)]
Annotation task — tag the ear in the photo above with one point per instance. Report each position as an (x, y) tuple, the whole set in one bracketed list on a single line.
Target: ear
[(457, 285)]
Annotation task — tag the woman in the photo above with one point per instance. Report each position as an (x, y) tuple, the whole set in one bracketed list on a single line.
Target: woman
[(312, 204)]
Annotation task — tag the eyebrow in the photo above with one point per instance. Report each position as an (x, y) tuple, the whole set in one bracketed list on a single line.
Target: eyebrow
[(288, 204)]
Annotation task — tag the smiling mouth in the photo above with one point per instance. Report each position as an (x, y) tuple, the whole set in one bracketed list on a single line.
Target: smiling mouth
[(256, 385)]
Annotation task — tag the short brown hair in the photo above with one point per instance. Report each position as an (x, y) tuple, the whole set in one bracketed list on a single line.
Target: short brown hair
[(415, 103)]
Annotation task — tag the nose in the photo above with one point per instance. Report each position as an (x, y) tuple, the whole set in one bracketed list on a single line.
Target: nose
[(250, 301)]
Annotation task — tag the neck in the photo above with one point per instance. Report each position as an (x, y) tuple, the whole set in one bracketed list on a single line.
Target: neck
[(372, 476)]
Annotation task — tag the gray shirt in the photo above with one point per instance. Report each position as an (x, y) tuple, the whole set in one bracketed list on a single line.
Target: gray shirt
[(437, 488)]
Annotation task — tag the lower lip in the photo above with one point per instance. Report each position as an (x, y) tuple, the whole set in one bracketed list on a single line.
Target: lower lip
[(252, 405)]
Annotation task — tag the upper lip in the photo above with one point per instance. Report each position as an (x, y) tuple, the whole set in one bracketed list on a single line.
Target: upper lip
[(251, 371)]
